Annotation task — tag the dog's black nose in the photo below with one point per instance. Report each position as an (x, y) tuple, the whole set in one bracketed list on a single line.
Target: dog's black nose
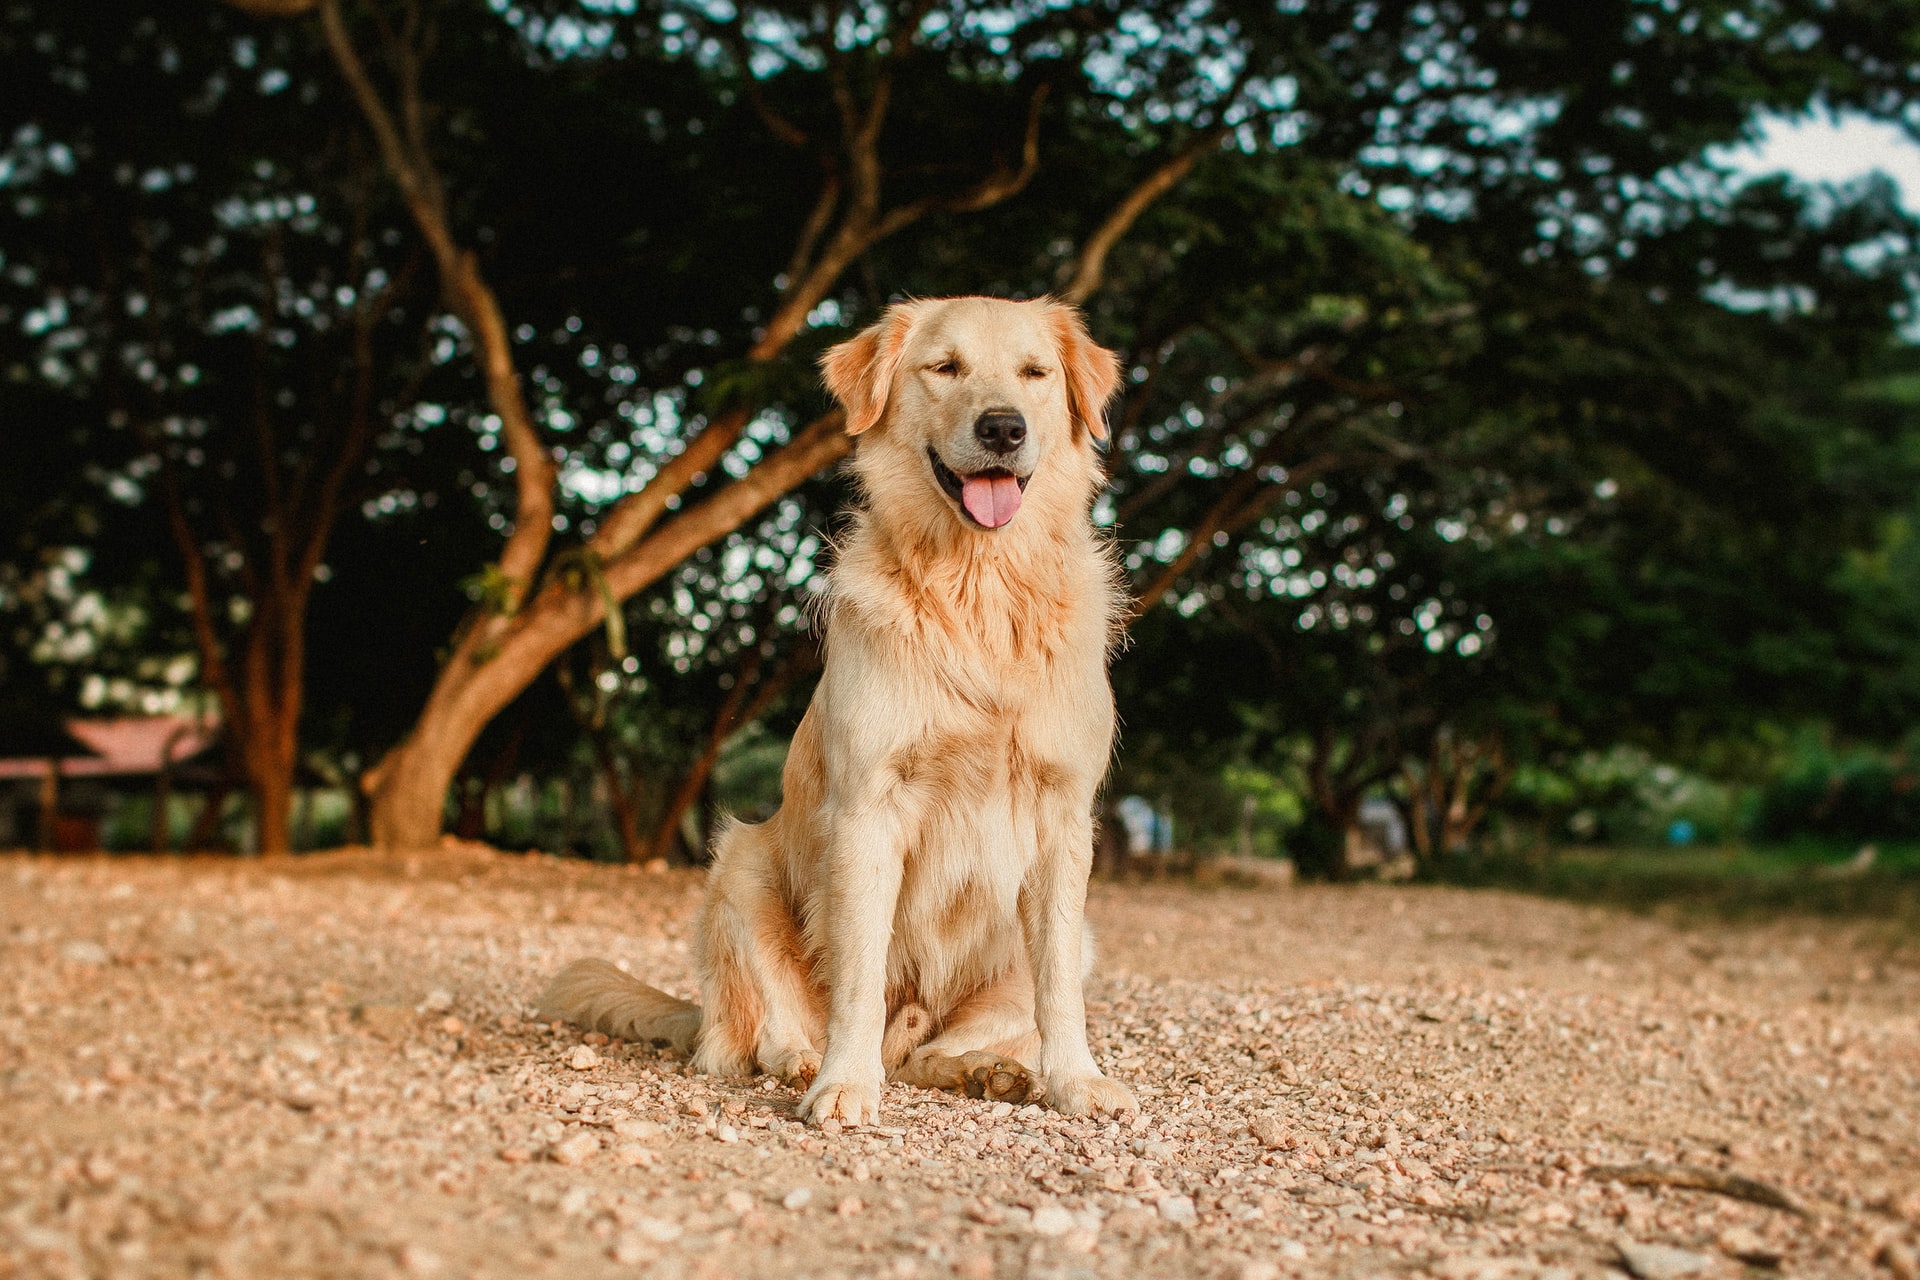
[(1001, 430)]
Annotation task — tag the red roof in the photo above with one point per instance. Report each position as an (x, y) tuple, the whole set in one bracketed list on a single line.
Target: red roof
[(126, 746)]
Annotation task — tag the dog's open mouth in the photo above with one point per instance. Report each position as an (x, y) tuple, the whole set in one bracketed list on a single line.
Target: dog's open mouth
[(990, 498)]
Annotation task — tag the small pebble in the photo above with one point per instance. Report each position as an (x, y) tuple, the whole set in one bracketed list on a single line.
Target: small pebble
[(577, 1150), (1178, 1210), (1052, 1220), (1661, 1262), (1271, 1133), (420, 1262), (659, 1230), (583, 1058), (1355, 1111)]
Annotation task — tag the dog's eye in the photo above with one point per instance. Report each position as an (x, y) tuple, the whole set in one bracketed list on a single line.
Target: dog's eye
[(946, 368), (1034, 371)]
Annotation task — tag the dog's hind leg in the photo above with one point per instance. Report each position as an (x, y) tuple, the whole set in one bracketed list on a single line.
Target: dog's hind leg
[(761, 1010), (983, 1049)]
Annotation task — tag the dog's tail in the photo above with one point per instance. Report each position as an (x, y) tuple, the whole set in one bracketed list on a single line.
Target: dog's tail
[(595, 995)]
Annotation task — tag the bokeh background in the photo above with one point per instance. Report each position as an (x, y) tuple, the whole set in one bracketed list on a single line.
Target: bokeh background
[(411, 426)]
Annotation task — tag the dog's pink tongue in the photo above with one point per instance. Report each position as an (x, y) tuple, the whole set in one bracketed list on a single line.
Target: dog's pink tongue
[(992, 500)]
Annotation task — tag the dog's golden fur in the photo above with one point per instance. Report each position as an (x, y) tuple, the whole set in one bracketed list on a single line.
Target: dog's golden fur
[(915, 909)]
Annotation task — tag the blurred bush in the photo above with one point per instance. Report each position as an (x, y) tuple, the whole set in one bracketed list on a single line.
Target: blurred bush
[(1624, 797), (1857, 794)]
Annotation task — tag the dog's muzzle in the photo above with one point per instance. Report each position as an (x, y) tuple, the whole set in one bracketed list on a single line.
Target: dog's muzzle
[(989, 498)]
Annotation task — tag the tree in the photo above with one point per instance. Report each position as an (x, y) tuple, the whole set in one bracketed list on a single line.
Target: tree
[(211, 279), (525, 620), (1316, 234), (1625, 525)]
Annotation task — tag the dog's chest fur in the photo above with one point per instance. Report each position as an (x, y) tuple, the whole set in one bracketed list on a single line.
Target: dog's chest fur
[(1012, 714)]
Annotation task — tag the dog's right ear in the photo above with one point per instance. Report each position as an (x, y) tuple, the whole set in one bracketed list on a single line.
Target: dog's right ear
[(860, 370)]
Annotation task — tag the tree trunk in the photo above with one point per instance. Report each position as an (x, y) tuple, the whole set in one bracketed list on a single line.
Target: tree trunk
[(270, 744), (736, 713), (409, 795), (1320, 845), (623, 798), (499, 656), (471, 824), (159, 826), (1450, 792), (666, 838), (49, 804), (206, 825), (273, 813), (625, 802), (691, 787)]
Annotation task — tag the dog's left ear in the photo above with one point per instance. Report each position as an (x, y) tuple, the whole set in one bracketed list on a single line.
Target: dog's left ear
[(1092, 371), (859, 372)]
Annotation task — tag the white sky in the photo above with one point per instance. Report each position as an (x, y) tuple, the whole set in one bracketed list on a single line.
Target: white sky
[(1823, 148)]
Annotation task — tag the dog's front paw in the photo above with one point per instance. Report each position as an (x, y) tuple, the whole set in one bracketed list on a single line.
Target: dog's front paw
[(848, 1101), (1089, 1095)]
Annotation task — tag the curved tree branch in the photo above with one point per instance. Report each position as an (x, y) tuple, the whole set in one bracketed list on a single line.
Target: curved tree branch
[(467, 292), (1083, 276)]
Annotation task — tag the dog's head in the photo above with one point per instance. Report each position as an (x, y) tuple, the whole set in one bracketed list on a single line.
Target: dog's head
[(980, 395)]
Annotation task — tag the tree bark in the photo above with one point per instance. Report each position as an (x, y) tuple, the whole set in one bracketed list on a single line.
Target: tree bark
[(49, 805), (273, 811), (159, 827), (623, 794), (501, 652), (736, 713), (492, 665), (1451, 791), (275, 688), (206, 824), (1083, 276)]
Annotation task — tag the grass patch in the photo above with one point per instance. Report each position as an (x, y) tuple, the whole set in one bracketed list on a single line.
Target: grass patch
[(1733, 882)]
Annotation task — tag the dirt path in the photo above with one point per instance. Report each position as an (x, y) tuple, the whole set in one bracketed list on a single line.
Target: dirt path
[(325, 1069)]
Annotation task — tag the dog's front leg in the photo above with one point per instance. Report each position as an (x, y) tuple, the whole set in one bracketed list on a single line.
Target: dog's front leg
[(1053, 909), (863, 884)]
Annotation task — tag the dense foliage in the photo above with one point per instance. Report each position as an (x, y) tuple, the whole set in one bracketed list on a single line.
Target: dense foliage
[(1476, 423)]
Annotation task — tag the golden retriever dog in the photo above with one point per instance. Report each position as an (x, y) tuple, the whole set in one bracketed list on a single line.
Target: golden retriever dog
[(915, 910)]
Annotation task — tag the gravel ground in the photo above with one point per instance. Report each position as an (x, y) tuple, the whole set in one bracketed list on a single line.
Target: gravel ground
[(328, 1068)]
